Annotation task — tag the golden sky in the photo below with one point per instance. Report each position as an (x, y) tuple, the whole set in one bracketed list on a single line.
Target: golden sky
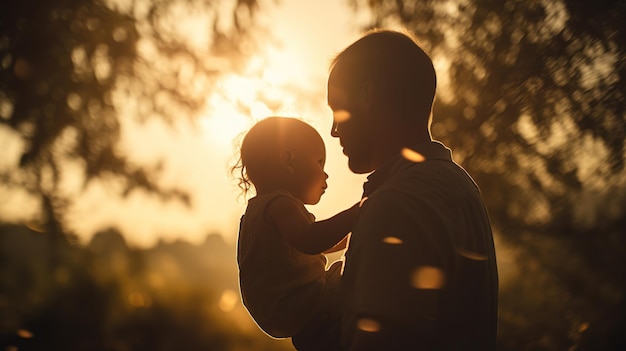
[(196, 157)]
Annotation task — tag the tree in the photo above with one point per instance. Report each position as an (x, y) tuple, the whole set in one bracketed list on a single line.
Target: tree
[(531, 98), (108, 296), (73, 70)]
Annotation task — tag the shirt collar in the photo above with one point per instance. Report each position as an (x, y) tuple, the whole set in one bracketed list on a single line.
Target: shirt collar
[(430, 150)]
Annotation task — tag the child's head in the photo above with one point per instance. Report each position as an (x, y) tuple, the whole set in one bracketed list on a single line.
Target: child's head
[(282, 153)]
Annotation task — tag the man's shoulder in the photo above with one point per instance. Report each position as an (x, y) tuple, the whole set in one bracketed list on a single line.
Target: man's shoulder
[(432, 173), (428, 182)]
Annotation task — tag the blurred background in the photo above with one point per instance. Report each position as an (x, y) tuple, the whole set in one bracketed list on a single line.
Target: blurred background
[(119, 120)]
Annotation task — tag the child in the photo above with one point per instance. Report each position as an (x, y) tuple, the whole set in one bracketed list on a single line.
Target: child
[(282, 276)]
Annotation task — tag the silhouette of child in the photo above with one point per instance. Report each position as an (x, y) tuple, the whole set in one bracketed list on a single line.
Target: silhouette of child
[(283, 280)]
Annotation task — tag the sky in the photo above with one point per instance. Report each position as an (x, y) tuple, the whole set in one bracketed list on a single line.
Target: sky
[(197, 157)]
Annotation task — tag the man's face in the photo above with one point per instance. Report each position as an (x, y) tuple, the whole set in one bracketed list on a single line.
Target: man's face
[(308, 177), (352, 125)]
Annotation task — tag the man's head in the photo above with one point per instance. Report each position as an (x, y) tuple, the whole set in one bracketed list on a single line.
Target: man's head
[(381, 90)]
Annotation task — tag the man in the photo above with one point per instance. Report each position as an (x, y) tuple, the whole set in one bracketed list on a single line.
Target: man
[(420, 270)]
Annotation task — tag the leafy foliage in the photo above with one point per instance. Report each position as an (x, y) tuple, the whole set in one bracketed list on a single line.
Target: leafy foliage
[(532, 101), (73, 70), (108, 296), (542, 83)]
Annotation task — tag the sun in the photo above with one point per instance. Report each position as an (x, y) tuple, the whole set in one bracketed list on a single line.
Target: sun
[(240, 99), (222, 128)]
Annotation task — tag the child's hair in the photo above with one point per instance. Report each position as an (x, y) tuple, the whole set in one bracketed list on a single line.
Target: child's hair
[(259, 149), (238, 171)]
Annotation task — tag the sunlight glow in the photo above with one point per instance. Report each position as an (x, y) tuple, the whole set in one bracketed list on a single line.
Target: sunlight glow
[(259, 109), (285, 74), (260, 90), (428, 277), (442, 65), (242, 89), (223, 127)]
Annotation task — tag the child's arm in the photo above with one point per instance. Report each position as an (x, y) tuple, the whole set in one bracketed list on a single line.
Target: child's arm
[(293, 223), (340, 245)]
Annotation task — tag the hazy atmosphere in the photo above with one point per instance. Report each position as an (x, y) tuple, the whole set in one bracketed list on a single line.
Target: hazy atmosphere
[(283, 73), (120, 120)]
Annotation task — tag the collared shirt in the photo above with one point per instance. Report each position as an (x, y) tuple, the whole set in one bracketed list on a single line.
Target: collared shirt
[(421, 256), (432, 151)]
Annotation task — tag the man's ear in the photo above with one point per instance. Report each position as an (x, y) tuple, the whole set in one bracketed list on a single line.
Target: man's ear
[(286, 160)]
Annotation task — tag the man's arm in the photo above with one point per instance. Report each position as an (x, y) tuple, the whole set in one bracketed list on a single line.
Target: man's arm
[(293, 223)]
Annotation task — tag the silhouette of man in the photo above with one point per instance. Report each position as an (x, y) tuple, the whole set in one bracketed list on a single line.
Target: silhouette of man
[(420, 270)]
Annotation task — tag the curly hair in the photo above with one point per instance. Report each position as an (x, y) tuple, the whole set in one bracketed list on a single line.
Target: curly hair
[(238, 171)]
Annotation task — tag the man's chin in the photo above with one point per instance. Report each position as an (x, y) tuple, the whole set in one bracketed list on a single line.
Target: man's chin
[(359, 167)]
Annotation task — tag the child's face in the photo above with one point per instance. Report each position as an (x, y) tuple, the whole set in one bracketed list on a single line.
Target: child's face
[(309, 178)]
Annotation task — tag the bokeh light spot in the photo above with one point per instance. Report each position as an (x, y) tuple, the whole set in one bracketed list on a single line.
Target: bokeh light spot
[(120, 34), (156, 280), (6, 61), (22, 69), (228, 300), (392, 240), (362, 201), (6, 108), (428, 277), (412, 156), (25, 334), (74, 101), (35, 226), (471, 255), (139, 300), (368, 325), (340, 116), (62, 275)]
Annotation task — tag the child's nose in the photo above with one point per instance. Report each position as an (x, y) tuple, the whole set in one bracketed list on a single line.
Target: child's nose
[(333, 130)]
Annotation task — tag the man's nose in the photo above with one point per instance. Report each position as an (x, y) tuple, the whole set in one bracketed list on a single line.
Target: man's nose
[(333, 130)]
